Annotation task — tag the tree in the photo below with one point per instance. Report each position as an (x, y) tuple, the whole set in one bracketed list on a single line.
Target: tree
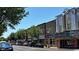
[(11, 16), (12, 36), (20, 34), (2, 39), (34, 32), (25, 34), (2, 29)]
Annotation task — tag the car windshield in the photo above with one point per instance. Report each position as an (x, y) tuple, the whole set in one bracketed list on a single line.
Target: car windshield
[(4, 44)]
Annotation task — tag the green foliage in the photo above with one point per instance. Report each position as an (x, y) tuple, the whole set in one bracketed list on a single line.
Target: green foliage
[(12, 34), (24, 33), (11, 16), (34, 31), (2, 39), (2, 29), (20, 34)]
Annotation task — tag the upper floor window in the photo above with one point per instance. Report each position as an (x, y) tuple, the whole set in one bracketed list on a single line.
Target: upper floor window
[(78, 20), (68, 22)]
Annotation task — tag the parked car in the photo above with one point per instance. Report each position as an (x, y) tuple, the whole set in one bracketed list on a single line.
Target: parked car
[(39, 45), (32, 44), (29, 44), (5, 46)]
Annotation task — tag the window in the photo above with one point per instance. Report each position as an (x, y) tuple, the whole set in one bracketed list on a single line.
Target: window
[(78, 20), (60, 24), (78, 24), (68, 22)]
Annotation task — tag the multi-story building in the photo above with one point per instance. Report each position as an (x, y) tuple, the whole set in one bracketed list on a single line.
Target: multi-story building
[(48, 30), (64, 29), (60, 23), (67, 28), (42, 36), (66, 21)]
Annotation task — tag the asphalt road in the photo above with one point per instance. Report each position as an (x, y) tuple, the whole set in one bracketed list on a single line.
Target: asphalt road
[(26, 48)]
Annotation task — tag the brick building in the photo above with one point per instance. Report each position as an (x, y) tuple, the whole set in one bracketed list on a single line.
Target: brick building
[(48, 30)]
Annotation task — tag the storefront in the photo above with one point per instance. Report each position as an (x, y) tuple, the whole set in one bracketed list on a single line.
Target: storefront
[(49, 41), (67, 39)]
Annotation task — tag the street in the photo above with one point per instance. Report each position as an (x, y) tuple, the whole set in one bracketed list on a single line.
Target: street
[(26, 48)]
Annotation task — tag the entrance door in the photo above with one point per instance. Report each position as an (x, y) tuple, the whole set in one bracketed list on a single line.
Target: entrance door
[(65, 44), (62, 43)]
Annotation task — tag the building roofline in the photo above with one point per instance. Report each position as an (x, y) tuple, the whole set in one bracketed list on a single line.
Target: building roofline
[(47, 22)]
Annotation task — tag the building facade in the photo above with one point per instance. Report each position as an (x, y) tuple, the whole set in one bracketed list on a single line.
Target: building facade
[(48, 30), (63, 31), (67, 26)]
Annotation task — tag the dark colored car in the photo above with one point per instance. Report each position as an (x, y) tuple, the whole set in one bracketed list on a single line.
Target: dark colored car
[(32, 44), (39, 45), (5, 46)]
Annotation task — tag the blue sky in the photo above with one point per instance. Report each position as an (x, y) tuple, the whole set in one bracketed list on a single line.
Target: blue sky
[(37, 15)]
